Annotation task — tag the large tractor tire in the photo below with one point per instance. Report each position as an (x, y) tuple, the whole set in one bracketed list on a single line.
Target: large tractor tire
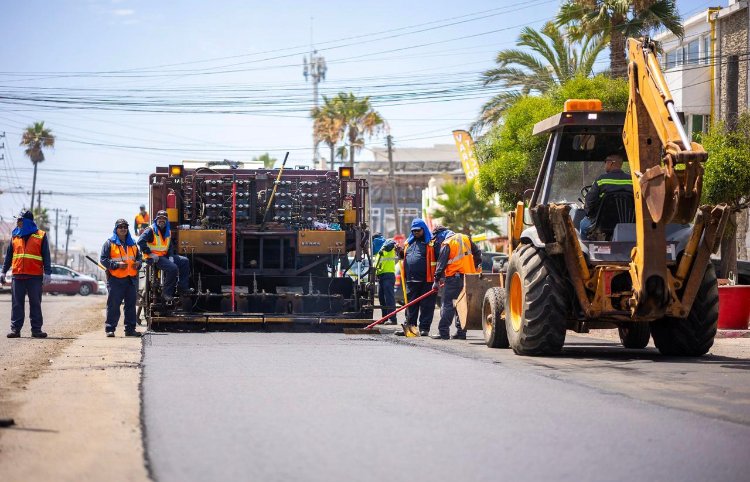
[(634, 335), (536, 303), (694, 335), (493, 325)]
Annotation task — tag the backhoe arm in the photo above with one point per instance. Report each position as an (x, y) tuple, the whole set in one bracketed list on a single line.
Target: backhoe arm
[(667, 176)]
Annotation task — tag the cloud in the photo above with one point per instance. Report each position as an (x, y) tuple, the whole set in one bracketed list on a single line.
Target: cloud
[(123, 12)]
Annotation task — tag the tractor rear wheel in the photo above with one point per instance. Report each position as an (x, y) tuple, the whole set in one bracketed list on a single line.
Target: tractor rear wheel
[(694, 335), (493, 324), (536, 303), (634, 335)]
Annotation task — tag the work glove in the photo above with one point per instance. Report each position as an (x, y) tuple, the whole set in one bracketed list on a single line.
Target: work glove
[(137, 265), (437, 285), (150, 261), (47, 279), (2, 278)]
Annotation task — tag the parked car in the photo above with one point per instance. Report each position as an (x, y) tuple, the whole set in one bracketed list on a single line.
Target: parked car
[(67, 281), (102, 285)]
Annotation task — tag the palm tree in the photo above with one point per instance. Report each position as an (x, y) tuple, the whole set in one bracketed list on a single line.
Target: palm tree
[(36, 137), (553, 60), (328, 127), (618, 20), (358, 119), (463, 211), (266, 159)]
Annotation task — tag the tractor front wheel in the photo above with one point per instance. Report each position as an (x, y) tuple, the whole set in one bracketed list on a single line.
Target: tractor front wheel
[(536, 303)]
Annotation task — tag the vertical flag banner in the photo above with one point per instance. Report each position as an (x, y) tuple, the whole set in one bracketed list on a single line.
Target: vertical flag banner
[(465, 146)]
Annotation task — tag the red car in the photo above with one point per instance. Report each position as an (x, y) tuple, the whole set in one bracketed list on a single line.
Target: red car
[(67, 281)]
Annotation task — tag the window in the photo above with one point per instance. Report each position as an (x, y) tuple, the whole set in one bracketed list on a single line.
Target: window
[(674, 58), (706, 49), (692, 51)]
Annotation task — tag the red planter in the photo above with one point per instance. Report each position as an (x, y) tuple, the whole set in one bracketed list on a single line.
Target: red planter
[(734, 307)]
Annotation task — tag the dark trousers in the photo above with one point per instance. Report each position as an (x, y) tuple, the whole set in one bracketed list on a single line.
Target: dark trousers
[(453, 287), (171, 269), (121, 289), (386, 296), (423, 310), (20, 288)]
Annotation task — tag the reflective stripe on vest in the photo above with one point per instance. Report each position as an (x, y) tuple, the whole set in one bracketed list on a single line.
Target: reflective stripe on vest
[(159, 246), (124, 255), (460, 258), (27, 256)]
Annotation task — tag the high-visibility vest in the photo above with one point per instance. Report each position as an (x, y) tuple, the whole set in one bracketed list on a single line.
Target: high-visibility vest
[(123, 254), (431, 261), (386, 261), (159, 246), (142, 220), (460, 259), (27, 256)]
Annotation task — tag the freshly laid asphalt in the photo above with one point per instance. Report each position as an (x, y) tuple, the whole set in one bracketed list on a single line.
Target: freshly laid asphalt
[(330, 407)]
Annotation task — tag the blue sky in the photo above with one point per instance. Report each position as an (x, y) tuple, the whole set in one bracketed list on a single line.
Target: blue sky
[(127, 85)]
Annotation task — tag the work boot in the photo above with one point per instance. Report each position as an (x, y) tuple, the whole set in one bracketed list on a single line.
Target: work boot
[(424, 333), (38, 334), (110, 334), (14, 334), (133, 333), (459, 336), (438, 336)]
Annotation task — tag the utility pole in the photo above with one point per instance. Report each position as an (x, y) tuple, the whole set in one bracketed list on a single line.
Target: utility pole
[(68, 232), (57, 214), (392, 179), (39, 198), (315, 69)]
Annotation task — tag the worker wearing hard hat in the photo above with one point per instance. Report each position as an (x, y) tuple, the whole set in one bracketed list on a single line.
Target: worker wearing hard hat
[(142, 220), (158, 250), (458, 256), (28, 255), (121, 258)]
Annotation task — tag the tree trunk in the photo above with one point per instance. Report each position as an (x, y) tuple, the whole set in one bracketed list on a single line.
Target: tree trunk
[(742, 221), (351, 156), (33, 189), (617, 62), (331, 146), (729, 249)]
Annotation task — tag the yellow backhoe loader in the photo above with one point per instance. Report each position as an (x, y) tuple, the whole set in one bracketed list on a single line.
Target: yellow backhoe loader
[(643, 267)]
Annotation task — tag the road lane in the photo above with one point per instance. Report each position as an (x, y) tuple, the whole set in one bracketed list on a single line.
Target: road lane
[(311, 406)]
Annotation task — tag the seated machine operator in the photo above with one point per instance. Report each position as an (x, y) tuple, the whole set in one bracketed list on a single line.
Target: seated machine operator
[(614, 179)]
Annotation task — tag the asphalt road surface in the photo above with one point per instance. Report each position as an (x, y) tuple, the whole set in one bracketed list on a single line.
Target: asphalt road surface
[(329, 407)]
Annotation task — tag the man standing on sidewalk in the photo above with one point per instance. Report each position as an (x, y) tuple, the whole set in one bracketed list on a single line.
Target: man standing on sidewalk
[(28, 255), (458, 256), (122, 259)]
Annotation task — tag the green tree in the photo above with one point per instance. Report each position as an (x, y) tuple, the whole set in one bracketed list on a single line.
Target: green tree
[(328, 126), (727, 180), (41, 218), (358, 119), (266, 159), (463, 210), (510, 155), (34, 138), (553, 59), (617, 20)]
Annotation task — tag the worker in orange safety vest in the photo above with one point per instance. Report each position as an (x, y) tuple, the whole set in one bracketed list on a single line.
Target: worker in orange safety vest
[(121, 258), (458, 256)]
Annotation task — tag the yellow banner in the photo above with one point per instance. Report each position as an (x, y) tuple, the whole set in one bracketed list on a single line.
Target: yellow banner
[(465, 146)]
